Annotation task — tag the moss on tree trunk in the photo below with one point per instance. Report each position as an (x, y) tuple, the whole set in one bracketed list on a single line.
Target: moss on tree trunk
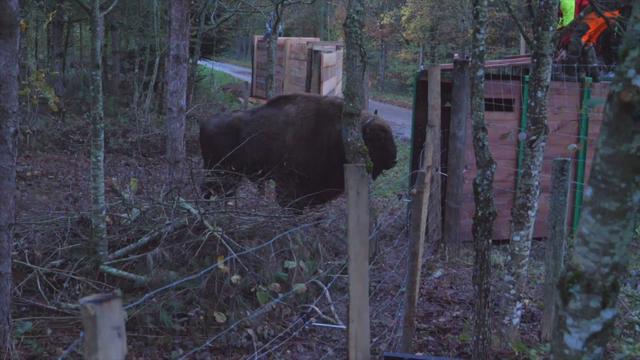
[(485, 212), (525, 208)]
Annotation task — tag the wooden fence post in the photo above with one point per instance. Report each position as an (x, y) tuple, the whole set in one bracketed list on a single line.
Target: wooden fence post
[(357, 189), (420, 209), (434, 227), (105, 336), (556, 243), (460, 115)]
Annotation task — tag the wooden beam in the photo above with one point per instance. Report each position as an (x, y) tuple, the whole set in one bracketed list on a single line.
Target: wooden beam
[(357, 189), (434, 227), (454, 196), (105, 335)]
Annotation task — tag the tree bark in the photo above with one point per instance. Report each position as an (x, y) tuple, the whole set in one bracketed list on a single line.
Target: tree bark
[(485, 213), (57, 52), (525, 208), (176, 89), (355, 61), (115, 77), (271, 38), (382, 64), (98, 203), (590, 284), (197, 50), (9, 118)]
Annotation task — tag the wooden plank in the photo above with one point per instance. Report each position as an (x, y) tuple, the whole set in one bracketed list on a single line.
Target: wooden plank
[(357, 189), (434, 120), (420, 200), (329, 86), (460, 115), (329, 60)]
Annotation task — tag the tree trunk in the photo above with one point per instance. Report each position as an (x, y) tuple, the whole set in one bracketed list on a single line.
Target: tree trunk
[(9, 117), (56, 52), (197, 50), (523, 213), (382, 64), (115, 78), (485, 213), (590, 284), (354, 71), (146, 107), (271, 38), (98, 203), (176, 91)]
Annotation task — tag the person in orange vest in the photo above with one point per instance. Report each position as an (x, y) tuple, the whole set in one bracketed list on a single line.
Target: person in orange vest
[(585, 27)]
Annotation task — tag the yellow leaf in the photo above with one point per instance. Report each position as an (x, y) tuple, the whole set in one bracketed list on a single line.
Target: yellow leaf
[(133, 185), (224, 268)]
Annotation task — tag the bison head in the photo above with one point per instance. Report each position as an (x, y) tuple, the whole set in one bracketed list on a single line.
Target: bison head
[(378, 137)]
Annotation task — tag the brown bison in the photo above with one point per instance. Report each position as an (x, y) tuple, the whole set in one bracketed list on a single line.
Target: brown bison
[(294, 140)]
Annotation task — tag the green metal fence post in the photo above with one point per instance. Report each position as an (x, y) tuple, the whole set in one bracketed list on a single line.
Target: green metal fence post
[(523, 125), (582, 151)]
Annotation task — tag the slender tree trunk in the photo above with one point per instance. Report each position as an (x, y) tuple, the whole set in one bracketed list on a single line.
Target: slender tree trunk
[(9, 118), (272, 48), (355, 63), (197, 50), (67, 35), (146, 109), (433, 44), (485, 213), (81, 44), (98, 203), (177, 68), (115, 77), (56, 52), (382, 64), (525, 208), (590, 284)]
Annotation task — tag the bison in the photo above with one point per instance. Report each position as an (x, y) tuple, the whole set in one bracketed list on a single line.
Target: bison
[(294, 140)]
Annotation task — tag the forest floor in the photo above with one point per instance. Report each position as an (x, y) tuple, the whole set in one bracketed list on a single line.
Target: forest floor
[(270, 281)]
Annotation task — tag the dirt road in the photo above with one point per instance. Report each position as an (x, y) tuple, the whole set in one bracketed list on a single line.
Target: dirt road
[(398, 118)]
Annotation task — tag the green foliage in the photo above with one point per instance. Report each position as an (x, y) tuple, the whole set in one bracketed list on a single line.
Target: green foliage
[(36, 89), (394, 181), (209, 87)]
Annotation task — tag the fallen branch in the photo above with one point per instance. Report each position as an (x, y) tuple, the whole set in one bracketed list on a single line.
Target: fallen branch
[(139, 279), (329, 300), (146, 239)]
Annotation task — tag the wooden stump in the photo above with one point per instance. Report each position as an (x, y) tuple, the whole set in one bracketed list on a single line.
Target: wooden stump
[(105, 336)]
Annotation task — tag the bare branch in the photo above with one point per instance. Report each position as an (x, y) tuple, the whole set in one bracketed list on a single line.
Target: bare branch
[(84, 6), (515, 18), (109, 8)]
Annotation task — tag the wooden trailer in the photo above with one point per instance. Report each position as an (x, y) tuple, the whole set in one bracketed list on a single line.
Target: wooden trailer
[(575, 114), (302, 65)]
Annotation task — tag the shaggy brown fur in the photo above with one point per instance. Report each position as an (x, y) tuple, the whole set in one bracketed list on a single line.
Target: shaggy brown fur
[(296, 141)]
